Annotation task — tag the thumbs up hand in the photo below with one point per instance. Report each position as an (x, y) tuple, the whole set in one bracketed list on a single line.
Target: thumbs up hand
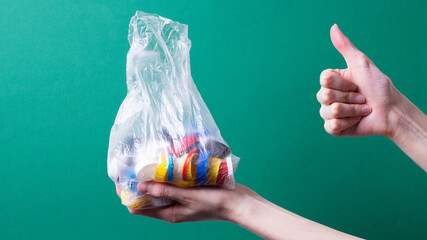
[(356, 101)]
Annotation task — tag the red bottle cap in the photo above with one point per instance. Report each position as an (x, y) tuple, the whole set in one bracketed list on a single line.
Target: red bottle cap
[(185, 143), (222, 173)]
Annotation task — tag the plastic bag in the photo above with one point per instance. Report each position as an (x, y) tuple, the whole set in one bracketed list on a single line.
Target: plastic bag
[(164, 131)]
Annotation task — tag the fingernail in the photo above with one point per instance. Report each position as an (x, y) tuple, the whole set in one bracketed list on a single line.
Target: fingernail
[(360, 99), (143, 187), (366, 109)]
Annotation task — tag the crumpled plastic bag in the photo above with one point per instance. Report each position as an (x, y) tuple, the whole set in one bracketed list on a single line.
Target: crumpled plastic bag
[(164, 131)]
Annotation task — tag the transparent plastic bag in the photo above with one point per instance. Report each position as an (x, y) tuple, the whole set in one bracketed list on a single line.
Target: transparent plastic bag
[(164, 131)]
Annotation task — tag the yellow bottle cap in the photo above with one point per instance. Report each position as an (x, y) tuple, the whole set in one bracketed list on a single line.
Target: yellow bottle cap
[(184, 183), (136, 203), (213, 168), (162, 170), (190, 167), (123, 196)]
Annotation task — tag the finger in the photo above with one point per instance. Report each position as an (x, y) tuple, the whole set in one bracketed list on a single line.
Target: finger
[(336, 126), (332, 79), (118, 189), (342, 110), (352, 56), (327, 96), (172, 213), (163, 190)]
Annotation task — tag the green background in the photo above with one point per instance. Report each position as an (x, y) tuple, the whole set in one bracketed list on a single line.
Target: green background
[(256, 64)]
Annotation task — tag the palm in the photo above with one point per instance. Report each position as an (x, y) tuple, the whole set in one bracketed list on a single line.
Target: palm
[(376, 87)]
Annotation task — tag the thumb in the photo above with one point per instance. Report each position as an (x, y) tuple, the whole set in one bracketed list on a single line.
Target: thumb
[(162, 190), (350, 53)]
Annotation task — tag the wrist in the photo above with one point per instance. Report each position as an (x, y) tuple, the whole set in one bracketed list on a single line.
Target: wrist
[(409, 130), (238, 207), (405, 120), (257, 215), (396, 114)]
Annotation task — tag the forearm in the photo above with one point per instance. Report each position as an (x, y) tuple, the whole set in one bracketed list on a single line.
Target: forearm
[(410, 130), (270, 221)]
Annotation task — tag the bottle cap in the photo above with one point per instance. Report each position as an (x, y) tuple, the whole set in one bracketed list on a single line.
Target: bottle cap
[(185, 143), (148, 153), (134, 203), (213, 168), (162, 170), (178, 167), (218, 150), (184, 183), (222, 173), (187, 169), (170, 168), (148, 172), (202, 167)]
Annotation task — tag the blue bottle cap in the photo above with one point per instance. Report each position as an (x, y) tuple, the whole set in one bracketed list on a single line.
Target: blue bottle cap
[(170, 168), (202, 167)]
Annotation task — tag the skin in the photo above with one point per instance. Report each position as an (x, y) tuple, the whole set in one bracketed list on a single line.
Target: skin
[(362, 101), (357, 101), (241, 206)]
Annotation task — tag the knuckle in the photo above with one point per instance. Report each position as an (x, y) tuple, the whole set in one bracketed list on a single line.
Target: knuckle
[(331, 127), (387, 79), (327, 95), (321, 111), (358, 110), (351, 97), (335, 125), (318, 95), (164, 192), (363, 60), (326, 77), (336, 109), (326, 71), (160, 190), (325, 125)]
